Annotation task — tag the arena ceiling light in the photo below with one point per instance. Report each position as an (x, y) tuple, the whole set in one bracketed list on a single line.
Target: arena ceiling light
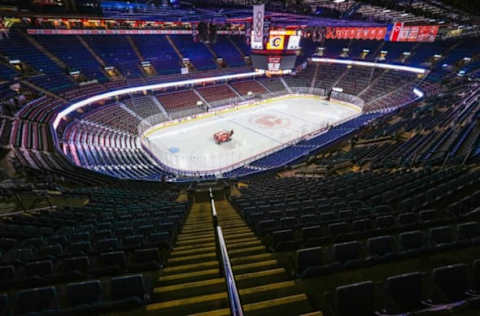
[(369, 64), (107, 95)]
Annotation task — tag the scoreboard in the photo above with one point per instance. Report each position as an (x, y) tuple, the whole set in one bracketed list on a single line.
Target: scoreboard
[(273, 49), (278, 50)]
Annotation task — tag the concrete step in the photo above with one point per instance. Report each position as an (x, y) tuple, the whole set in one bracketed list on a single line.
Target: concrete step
[(194, 246), (183, 236), (190, 305), (246, 251), (245, 280), (289, 305), (249, 259), (189, 289), (182, 268), (195, 241), (212, 255), (193, 251), (245, 244), (187, 277), (255, 266)]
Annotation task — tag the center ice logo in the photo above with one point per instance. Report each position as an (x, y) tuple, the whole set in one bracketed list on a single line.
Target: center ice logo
[(271, 121)]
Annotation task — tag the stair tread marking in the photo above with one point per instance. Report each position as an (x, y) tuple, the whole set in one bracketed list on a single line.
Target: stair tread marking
[(187, 301), (238, 235), (247, 243), (240, 240), (266, 287), (217, 312), (193, 250), (206, 264), (261, 256), (317, 313), (181, 248), (255, 264), (182, 286), (199, 240), (192, 257), (192, 236), (260, 305), (276, 301), (251, 275), (187, 275), (241, 250)]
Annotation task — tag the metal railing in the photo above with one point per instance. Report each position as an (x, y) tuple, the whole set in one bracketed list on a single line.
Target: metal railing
[(226, 268)]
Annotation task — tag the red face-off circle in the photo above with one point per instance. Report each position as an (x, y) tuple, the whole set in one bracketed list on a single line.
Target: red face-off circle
[(270, 121)]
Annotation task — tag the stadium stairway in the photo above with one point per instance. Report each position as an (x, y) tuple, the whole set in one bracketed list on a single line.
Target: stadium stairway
[(264, 286), (192, 282), (236, 46)]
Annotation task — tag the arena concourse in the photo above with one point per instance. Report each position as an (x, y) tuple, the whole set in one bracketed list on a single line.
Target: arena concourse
[(240, 158)]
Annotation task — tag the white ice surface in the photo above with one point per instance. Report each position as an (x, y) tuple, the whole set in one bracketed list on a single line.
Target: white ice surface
[(190, 146)]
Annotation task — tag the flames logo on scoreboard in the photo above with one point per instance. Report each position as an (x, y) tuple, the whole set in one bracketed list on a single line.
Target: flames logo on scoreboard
[(276, 42)]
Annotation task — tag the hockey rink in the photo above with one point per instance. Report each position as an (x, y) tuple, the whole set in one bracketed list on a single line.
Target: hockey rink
[(262, 128)]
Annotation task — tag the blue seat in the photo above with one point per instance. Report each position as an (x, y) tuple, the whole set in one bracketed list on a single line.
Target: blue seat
[(452, 285), (355, 299), (468, 233), (381, 248), (335, 229), (148, 257), (384, 222), (308, 260), (160, 239), (407, 219), (129, 289), (476, 277), (42, 268), (4, 305), (313, 235), (7, 274), (347, 254), (442, 237), (107, 244), (76, 264), (283, 239), (361, 225), (132, 242), (85, 293), (114, 259), (405, 293), (36, 300), (52, 251), (79, 248), (412, 243)]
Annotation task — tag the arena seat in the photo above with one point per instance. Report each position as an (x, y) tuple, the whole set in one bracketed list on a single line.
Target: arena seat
[(381, 248), (129, 290), (36, 300), (85, 295), (355, 299), (405, 292), (452, 282), (308, 260)]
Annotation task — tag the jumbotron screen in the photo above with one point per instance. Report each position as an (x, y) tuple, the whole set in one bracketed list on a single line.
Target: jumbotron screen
[(279, 40), (279, 50), (283, 40)]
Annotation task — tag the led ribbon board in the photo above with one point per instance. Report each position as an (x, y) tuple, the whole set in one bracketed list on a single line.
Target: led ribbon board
[(416, 70)]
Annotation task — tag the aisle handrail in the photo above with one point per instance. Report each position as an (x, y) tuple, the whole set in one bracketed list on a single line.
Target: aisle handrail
[(233, 296)]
